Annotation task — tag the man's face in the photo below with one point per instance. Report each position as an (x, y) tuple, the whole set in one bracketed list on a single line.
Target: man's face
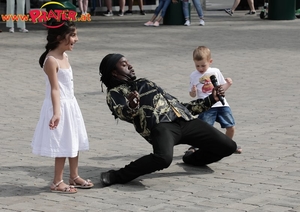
[(124, 70)]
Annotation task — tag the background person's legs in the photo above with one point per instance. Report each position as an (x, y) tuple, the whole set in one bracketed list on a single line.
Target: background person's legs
[(20, 11), (235, 4), (122, 6), (10, 10), (80, 5), (185, 9), (108, 4), (85, 6), (197, 4), (251, 5)]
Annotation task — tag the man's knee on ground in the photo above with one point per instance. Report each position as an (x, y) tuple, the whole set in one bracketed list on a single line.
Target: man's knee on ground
[(187, 158), (163, 161), (229, 149)]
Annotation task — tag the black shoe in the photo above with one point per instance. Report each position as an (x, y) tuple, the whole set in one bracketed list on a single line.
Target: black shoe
[(228, 11), (108, 13), (121, 13), (250, 13), (190, 151), (187, 153), (142, 12), (106, 178), (128, 12)]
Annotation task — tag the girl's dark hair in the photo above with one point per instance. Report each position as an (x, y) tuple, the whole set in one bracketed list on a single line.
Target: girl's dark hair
[(55, 35)]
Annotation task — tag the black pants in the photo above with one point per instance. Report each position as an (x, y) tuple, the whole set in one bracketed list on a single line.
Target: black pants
[(213, 146)]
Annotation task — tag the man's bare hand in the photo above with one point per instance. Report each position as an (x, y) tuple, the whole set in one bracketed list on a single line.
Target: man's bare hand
[(134, 99), (218, 91)]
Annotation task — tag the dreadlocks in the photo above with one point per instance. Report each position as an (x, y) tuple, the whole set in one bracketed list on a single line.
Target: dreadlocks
[(107, 65)]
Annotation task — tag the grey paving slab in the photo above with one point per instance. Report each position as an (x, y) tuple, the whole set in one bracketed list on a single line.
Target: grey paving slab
[(262, 58)]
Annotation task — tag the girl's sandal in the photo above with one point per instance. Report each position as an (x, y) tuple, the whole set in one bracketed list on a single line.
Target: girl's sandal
[(86, 184), (67, 190)]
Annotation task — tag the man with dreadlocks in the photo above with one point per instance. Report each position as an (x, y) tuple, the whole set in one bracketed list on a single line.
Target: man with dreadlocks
[(161, 119)]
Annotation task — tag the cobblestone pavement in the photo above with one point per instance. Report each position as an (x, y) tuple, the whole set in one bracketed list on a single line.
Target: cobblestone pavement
[(262, 58)]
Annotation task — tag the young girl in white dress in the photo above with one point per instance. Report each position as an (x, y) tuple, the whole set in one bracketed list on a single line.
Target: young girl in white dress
[(61, 132)]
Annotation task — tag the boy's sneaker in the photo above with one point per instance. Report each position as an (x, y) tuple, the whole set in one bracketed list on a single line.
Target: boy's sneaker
[(128, 12), (201, 23), (142, 12), (229, 12), (149, 23), (108, 13), (156, 24), (121, 13), (187, 23), (250, 13), (11, 30)]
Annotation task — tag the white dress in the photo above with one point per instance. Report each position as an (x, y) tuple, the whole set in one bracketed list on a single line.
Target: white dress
[(70, 135)]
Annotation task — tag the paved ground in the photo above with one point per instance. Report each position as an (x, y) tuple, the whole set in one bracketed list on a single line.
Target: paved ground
[(262, 58)]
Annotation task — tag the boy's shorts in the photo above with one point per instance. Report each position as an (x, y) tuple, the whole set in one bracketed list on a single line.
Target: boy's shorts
[(223, 115)]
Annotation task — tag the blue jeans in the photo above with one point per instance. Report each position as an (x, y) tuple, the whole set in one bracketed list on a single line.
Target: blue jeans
[(185, 8), (223, 115), (162, 6)]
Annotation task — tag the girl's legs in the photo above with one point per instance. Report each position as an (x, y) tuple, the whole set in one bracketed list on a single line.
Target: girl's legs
[(59, 169), (73, 162), (58, 184), (74, 177)]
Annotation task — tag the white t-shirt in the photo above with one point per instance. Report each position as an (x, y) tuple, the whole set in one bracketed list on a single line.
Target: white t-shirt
[(204, 85)]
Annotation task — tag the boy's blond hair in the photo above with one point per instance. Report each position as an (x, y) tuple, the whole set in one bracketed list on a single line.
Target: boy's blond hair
[(201, 53)]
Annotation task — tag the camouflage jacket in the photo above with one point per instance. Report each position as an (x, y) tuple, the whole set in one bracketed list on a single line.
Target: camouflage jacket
[(155, 106)]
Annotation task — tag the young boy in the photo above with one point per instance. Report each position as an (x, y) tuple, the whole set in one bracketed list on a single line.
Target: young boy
[(201, 87)]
